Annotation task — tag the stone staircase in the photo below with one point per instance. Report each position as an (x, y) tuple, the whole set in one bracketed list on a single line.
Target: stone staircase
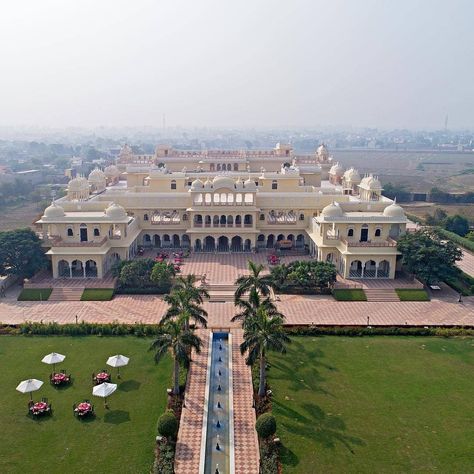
[(381, 294), (66, 294), (221, 292)]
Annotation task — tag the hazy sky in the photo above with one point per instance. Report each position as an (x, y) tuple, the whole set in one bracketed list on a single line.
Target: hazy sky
[(264, 63)]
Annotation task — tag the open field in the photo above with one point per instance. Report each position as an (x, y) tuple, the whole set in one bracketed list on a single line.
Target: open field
[(21, 215), (420, 209), (375, 404), (418, 171), (120, 439)]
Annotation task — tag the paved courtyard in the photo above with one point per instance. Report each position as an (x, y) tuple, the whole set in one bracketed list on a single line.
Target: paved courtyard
[(467, 263)]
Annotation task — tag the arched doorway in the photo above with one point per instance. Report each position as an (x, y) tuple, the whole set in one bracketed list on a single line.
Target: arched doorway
[(156, 241), (355, 270), (300, 240), (77, 270), (270, 241), (166, 241), (146, 240), (185, 241), (223, 244), (384, 269), (261, 241), (236, 244), (63, 269), (369, 269), (176, 241), (91, 269), (209, 244), (198, 245), (280, 237), (247, 245)]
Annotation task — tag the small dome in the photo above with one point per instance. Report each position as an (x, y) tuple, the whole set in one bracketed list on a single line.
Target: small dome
[(352, 175), (208, 183), (111, 171), (53, 211), (223, 182), (332, 210), (394, 210), (375, 184), (250, 184), (115, 211), (96, 176), (78, 184), (322, 150), (197, 184), (336, 170)]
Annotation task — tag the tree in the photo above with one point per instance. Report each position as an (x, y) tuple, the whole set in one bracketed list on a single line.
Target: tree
[(249, 308), (21, 253), (180, 303), (263, 333), (266, 425), (255, 280), (162, 273), (470, 236), (188, 284), (136, 274), (457, 224), (438, 217), (167, 424), (311, 274), (428, 257), (174, 338)]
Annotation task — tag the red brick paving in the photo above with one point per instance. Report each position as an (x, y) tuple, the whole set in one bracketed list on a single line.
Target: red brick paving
[(245, 437), (467, 263), (188, 445)]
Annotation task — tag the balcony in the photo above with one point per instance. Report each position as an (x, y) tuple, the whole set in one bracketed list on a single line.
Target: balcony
[(389, 242)]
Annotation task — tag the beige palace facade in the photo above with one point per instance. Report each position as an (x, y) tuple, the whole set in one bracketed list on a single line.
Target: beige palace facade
[(224, 201)]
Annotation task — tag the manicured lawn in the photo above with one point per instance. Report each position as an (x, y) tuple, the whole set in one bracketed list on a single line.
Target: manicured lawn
[(407, 294), (34, 294), (375, 404), (355, 294), (97, 294), (120, 439)]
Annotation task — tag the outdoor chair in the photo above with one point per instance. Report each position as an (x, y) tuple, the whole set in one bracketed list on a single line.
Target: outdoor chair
[(44, 399)]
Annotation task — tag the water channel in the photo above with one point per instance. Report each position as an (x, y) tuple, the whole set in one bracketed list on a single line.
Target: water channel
[(219, 447)]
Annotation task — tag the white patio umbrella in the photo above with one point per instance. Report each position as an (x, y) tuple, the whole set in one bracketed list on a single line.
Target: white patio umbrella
[(104, 390), (53, 358), (118, 361), (28, 386)]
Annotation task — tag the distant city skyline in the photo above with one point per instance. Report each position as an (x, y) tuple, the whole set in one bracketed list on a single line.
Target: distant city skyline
[(222, 64)]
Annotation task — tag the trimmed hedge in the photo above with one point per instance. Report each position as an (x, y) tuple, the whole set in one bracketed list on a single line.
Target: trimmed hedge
[(266, 425), (35, 294), (86, 329), (412, 294), (152, 290), (354, 331), (349, 294), (463, 284), (167, 424), (299, 290), (462, 241)]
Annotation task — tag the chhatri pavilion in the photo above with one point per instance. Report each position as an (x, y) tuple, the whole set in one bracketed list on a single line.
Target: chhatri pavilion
[(224, 201)]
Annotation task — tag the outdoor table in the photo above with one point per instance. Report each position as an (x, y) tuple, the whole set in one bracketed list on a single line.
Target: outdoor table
[(39, 408), (59, 378), (102, 377), (84, 408)]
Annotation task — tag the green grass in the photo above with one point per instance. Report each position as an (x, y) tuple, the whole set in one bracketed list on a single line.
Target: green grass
[(97, 294), (355, 294), (34, 294), (120, 439), (375, 404), (408, 294)]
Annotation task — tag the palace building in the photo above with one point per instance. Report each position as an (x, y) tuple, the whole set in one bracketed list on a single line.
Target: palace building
[(224, 201)]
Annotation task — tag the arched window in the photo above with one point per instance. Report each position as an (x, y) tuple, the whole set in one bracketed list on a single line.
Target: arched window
[(274, 184), (262, 217), (301, 217), (173, 184), (218, 166), (70, 232), (378, 232), (236, 167), (185, 217), (96, 232), (350, 233), (145, 217)]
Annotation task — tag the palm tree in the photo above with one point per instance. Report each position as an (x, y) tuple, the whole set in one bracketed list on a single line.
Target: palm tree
[(188, 284), (263, 333), (181, 303), (248, 309), (173, 337), (246, 283)]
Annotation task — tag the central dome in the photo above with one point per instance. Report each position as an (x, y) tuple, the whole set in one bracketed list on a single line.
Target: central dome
[(53, 211), (394, 210), (332, 210), (115, 211), (223, 182)]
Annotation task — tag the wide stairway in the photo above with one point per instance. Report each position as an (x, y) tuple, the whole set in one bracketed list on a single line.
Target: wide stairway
[(381, 294), (66, 294), (221, 293)]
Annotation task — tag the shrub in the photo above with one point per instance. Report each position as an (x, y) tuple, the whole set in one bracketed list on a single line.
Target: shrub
[(168, 424), (164, 461), (148, 290), (269, 458), (462, 241), (266, 425)]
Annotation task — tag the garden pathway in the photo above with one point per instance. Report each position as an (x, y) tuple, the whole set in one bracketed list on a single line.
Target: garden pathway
[(467, 263)]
